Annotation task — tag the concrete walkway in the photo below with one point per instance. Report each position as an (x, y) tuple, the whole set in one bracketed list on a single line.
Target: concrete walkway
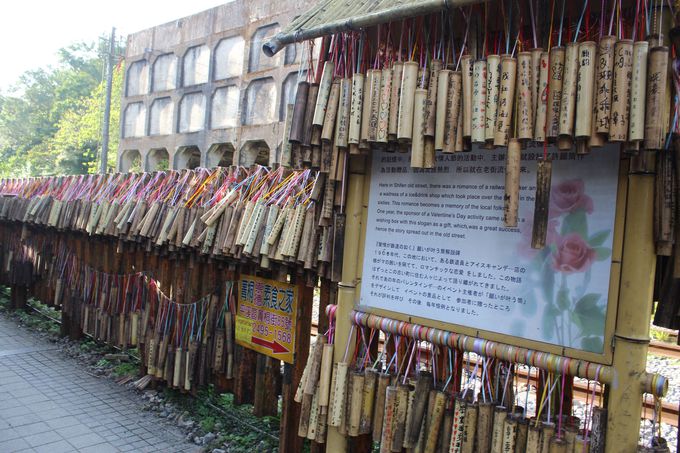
[(48, 403)]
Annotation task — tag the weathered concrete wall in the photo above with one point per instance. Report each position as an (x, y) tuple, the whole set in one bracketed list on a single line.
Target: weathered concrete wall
[(199, 90)]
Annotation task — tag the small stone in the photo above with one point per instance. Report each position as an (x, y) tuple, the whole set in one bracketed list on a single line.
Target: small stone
[(197, 440), (208, 438), (218, 450)]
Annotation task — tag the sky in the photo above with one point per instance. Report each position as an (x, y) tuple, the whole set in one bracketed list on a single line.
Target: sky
[(31, 32)]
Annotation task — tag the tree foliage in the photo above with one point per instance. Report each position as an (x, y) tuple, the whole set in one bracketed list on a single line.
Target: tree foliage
[(50, 120)]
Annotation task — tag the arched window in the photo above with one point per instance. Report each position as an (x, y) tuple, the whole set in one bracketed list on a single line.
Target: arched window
[(196, 66), (260, 105), (137, 79), (229, 58), (164, 73), (288, 93), (192, 113), (257, 60), (134, 120), (187, 157), (158, 160), (160, 118), (220, 155), (224, 108), (130, 161)]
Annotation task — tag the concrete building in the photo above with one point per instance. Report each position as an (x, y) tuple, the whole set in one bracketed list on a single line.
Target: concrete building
[(199, 91)]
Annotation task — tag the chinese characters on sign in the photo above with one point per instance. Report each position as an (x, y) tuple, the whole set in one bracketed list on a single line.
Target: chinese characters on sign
[(436, 245), (265, 319)]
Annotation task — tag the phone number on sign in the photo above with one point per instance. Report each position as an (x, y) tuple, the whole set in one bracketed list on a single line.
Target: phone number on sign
[(263, 330)]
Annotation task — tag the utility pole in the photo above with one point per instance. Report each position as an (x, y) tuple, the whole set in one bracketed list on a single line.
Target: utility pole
[(107, 103)]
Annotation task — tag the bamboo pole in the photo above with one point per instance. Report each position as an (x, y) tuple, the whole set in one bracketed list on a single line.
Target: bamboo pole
[(409, 81), (557, 60), (657, 76), (541, 118), (453, 125), (584, 93), (604, 77), (506, 98), (395, 91), (467, 73), (525, 96), (441, 108), (384, 110), (479, 86), (493, 80), (623, 68)]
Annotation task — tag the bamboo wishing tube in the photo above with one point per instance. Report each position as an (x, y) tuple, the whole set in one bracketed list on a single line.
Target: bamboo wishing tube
[(522, 429), (569, 90), (343, 115), (399, 424), (557, 58), (604, 77), (599, 429), (297, 127), (584, 91), (547, 432), (366, 108), (441, 108), (380, 407), (388, 419), (384, 111), (370, 383), (453, 126), (432, 90), (355, 402), (418, 138), (324, 92), (525, 97), (337, 408), (510, 433), (493, 80), (536, 64), (623, 68), (422, 390), (485, 427), (533, 439), (458, 426), (638, 92), (445, 438), (409, 82), (542, 204), (309, 115), (325, 374), (657, 74), (557, 445), (479, 86), (540, 125), (500, 413), (395, 91), (470, 428), (374, 81), (331, 112), (434, 420), (355, 114), (506, 98), (467, 73)]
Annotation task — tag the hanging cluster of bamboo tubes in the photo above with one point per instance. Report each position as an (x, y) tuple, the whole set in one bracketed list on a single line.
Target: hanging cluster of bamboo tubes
[(425, 396), (261, 215), (426, 85)]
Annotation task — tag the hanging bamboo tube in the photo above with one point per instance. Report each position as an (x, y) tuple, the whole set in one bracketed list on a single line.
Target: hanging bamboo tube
[(314, 417), (355, 115), (441, 108), (584, 92), (657, 75), (623, 68), (470, 428), (581, 444), (384, 111), (509, 442), (343, 115), (605, 78), (547, 432), (500, 413), (355, 403), (485, 427), (418, 139), (493, 82), (432, 90), (522, 428), (325, 374), (309, 117), (395, 91), (467, 75), (506, 99), (458, 426), (417, 412), (533, 439), (479, 86), (569, 92), (297, 127), (399, 425), (434, 421), (445, 437), (598, 436), (327, 131), (375, 80), (370, 383), (525, 96), (409, 81), (542, 203), (379, 408), (638, 92), (388, 419), (366, 108), (337, 408), (324, 93), (453, 126), (541, 118), (536, 92), (557, 445), (570, 433), (557, 61)]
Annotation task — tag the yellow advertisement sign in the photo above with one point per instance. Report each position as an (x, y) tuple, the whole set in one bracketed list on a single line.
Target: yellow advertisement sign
[(265, 319)]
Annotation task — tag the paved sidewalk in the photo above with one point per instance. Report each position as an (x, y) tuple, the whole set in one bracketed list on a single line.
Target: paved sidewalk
[(48, 403)]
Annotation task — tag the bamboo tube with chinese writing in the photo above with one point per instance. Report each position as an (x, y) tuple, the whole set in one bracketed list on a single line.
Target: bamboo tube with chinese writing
[(500, 413), (485, 427), (366, 109), (429, 157), (506, 99), (379, 407), (598, 430), (536, 91), (547, 432), (453, 126), (331, 112), (418, 139), (623, 68), (584, 90), (441, 108), (493, 80), (313, 417), (409, 82), (384, 110), (467, 75), (479, 86), (570, 433), (325, 374), (323, 94), (297, 127), (542, 203), (525, 96), (388, 419), (569, 91), (540, 125), (657, 75), (337, 408), (557, 445), (395, 91), (522, 428), (432, 90), (366, 417), (533, 439), (458, 426), (375, 80), (343, 115), (354, 131), (434, 422), (557, 59), (309, 115), (470, 428), (421, 393), (638, 92), (445, 436), (409, 415), (603, 88), (510, 432), (399, 424)]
